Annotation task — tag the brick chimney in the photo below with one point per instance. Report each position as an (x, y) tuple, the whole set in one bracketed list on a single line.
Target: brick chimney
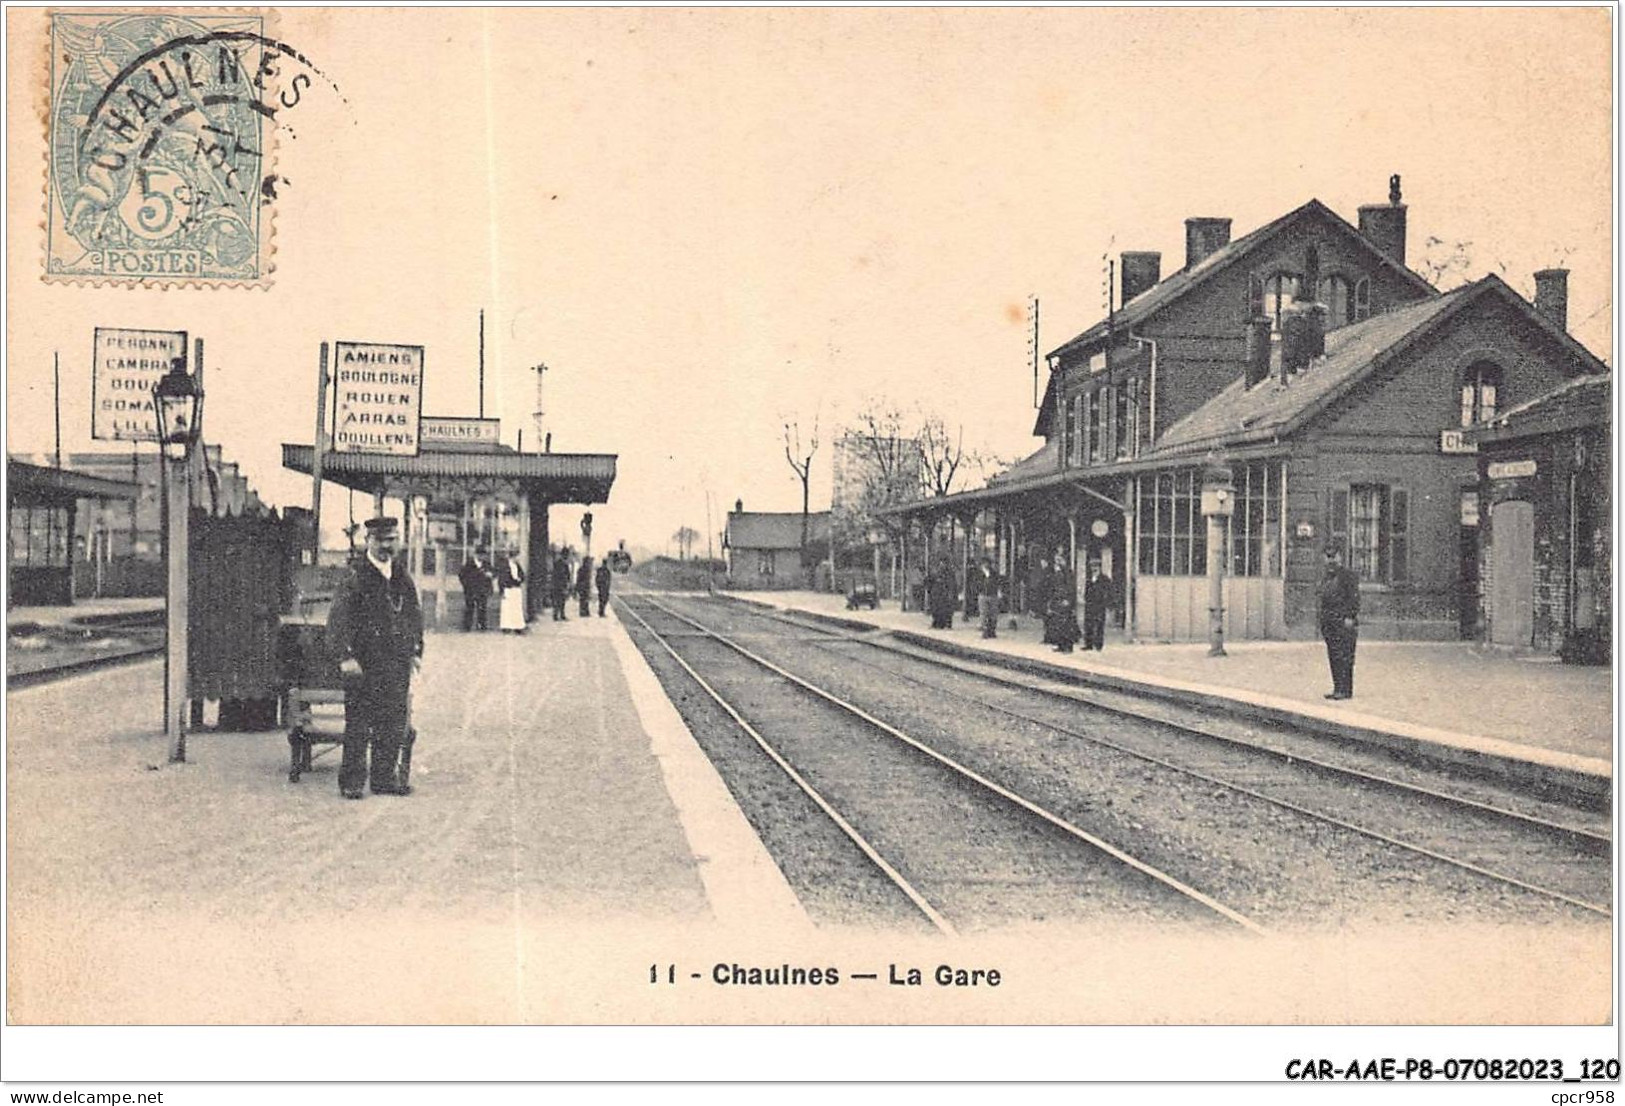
[(1204, 236), (1383, 225), (1303, 336), (1141, 269), (1552, 296), (739, 506), (1258, 349)]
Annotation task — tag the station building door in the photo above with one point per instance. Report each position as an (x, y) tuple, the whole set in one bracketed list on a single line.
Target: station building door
[(1512, 573)]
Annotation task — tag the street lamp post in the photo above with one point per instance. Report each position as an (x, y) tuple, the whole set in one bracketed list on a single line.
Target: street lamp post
[(178, 402), (1218, 504)]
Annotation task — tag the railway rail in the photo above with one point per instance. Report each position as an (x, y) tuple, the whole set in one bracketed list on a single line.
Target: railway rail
[(143, 625), (1533, 851), (1591, 841), (938, 775)]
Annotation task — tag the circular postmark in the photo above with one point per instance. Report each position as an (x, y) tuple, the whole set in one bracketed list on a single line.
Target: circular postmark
[(160, 128)]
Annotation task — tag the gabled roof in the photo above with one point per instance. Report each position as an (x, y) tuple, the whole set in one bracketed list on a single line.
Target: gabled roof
[(773, 529), (1239, 415), (1166, 291), (1584, 401)]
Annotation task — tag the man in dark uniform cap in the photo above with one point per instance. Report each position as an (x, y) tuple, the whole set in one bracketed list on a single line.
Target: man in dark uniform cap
[(601, 582), (1340, 621), (376, 631)]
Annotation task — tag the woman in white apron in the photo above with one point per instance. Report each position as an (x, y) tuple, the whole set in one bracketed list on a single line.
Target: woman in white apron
[(512, 580)]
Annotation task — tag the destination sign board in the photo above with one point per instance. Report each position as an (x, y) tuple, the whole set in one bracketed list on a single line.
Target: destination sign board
[(446, 430), (1511, 470), (126, 366), (377, 397)]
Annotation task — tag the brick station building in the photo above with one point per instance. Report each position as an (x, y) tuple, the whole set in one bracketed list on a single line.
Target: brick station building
[(1331, 380), (1546, 522)]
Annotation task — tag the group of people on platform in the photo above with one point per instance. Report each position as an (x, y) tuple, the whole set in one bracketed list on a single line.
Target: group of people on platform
[(481, 579), (375, 635), (1051, 593)]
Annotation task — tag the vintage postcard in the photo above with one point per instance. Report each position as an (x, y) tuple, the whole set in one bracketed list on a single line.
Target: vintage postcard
[(848, 517)]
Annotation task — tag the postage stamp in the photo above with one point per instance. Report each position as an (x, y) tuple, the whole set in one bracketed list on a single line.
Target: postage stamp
[(162, 126)]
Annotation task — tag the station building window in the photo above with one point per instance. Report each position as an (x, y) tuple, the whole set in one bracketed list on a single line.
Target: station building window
[(38, 537), (1255, 528), (1372, 522), (764, 564), (1478, 389), (1173, 534), (1126, 395), (1097, 415)]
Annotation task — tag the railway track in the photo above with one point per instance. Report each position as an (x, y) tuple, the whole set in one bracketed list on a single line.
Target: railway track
[(986, 836), (1221, 759), (143, 626), (1529, 852)]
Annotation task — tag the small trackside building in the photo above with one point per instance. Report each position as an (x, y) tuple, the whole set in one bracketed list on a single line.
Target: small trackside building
[(1545, 510), (763, 548)]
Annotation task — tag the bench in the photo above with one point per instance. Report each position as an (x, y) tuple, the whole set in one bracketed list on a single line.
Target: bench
[(315, 717)]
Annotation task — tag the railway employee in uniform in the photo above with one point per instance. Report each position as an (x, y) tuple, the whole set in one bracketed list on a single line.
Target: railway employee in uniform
[(560, 583), (376, 631), (1339, 621), (584, 587), (1097, 597), (601, 582), (475, 576)]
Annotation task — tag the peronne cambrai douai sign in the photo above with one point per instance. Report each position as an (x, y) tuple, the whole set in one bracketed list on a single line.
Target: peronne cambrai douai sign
[(126, 366), (377, 397)]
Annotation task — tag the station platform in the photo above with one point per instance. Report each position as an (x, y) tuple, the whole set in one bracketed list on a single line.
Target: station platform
[(1527, 719), (565, 832)]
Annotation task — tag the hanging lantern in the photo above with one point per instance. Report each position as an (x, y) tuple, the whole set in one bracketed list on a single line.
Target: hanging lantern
[(179, 405)]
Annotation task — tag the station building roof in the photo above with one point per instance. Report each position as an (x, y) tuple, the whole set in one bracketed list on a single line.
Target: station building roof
[(556, 477), (45, 486), (1581, 402)]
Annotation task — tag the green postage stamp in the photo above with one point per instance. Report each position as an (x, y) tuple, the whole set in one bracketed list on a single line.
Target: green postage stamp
[(161, 126)]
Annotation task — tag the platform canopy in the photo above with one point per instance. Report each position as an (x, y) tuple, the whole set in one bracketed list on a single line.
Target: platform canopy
[(42, 486), (551, 477)]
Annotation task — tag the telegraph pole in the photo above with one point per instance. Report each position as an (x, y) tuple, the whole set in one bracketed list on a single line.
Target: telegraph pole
[(56, 368), (540, 369), (316, 463)]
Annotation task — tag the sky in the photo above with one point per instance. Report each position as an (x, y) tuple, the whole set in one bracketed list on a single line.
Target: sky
[(709, 222)]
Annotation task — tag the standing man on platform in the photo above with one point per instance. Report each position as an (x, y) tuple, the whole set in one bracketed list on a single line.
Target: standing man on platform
[(1339, 621), (601, 582), (987, 597), (1097, 597), (560, 583), (376, 631), (475, 576), (584, 587)]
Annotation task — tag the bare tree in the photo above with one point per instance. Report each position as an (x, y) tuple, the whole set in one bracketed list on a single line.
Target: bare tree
[(942, 452), (685, 539), (800, 455)]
